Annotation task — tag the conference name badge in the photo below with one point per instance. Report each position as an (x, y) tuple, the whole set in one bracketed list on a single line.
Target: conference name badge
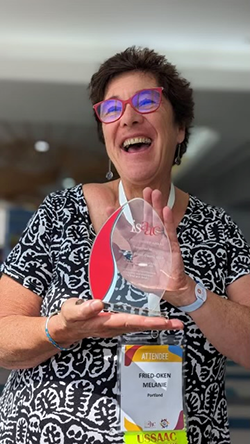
[(151, 393)]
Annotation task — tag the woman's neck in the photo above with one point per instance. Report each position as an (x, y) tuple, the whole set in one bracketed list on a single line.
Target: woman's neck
[(181, 198), (134, 190)]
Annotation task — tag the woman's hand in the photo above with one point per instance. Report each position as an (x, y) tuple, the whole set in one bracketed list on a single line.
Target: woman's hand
[(179, 286), (161, 273), (77, 321), (142, 251)]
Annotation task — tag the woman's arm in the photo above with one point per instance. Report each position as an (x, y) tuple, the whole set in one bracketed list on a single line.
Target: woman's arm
[(21, 327), (23, 342), (224, 322)]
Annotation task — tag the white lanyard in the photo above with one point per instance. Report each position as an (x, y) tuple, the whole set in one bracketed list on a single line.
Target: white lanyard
[(123, 199)]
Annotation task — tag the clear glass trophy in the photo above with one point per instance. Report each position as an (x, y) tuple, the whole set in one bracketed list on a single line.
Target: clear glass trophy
[(130, 261)]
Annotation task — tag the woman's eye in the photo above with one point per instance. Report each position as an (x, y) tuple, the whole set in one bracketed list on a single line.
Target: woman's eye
[(112, 109), (146, 102)]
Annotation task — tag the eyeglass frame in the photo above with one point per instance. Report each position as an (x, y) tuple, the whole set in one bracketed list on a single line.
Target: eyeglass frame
[(125, 102)]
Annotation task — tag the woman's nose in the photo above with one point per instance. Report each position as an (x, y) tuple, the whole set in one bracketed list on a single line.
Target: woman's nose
[(130, 116)]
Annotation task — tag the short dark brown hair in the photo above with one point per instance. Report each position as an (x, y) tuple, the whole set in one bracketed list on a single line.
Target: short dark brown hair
[(176, 89)]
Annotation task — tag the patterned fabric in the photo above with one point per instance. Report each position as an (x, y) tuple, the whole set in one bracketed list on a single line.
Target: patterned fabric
[(71, 397)]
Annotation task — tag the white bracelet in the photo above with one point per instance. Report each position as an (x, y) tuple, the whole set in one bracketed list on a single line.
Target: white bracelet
[(201, 297)]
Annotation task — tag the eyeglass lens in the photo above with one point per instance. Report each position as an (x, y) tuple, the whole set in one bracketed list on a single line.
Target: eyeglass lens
[(144, 101)]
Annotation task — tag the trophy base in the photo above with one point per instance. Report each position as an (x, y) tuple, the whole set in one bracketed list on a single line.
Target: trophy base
[(126, 308)]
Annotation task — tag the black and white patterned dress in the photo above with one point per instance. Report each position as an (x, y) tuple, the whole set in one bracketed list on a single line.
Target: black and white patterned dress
[(71, 398)]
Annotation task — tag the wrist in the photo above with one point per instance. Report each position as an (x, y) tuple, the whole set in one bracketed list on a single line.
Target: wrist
[(54, 332), (187, 295), (199, 298)]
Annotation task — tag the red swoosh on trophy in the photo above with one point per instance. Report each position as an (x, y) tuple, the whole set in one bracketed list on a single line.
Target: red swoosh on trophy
[(101, 263)]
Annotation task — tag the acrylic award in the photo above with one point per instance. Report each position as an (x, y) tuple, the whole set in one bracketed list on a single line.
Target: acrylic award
[(130, 261)]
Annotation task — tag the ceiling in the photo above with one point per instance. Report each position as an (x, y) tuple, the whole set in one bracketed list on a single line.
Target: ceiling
[(50, 49)]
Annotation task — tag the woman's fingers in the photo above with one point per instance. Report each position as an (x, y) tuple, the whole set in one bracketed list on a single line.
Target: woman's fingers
[(72, 310), (154, 209), (157, 203), (128, 322), (147, 193), (87, 319), (147, 209), (168, 221), (177, 278)]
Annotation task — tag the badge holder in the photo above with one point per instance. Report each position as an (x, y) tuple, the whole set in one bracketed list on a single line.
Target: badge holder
[(151, 390)]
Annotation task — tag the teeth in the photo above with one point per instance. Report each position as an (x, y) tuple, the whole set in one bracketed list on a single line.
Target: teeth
[(135, 140)]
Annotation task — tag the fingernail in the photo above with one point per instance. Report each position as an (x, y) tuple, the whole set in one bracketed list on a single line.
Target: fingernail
[(95, 303), (177, 324), (79, 302)]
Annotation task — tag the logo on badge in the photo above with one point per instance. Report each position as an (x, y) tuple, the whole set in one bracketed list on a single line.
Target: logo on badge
[(164, 423)]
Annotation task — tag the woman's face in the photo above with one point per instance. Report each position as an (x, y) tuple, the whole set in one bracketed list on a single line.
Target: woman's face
[(143, 164)]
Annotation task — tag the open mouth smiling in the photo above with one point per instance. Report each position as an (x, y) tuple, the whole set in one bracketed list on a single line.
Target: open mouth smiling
[(135, 144)]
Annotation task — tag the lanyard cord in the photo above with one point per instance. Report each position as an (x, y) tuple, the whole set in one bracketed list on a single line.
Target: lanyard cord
[(123, 199)]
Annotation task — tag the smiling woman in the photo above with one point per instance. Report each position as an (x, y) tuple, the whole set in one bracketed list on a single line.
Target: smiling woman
[(64, 382), (139, 122)]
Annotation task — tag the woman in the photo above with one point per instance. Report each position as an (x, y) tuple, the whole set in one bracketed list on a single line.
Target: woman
[(63, 387)]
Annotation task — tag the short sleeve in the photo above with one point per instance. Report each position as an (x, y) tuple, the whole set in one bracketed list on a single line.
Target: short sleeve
[(30, 262), (238, 252)]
